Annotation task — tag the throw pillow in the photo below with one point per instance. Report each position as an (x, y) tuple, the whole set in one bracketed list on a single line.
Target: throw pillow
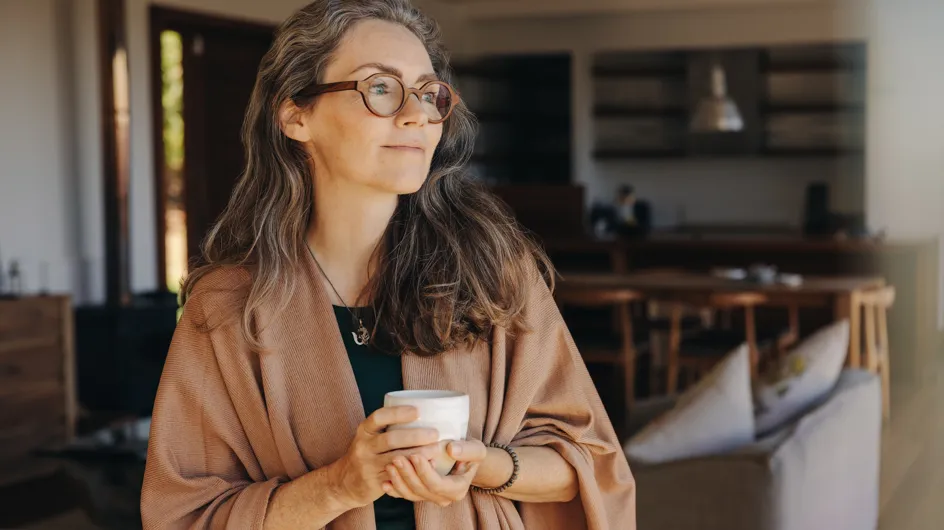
[(713, 416), (802, 378)]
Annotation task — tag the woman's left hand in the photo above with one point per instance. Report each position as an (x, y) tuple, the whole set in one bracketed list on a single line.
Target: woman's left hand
[(415, 479)]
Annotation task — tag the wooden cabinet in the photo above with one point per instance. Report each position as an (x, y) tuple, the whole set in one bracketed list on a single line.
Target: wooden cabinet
[(814, 99), (522, 104), (37, 382)]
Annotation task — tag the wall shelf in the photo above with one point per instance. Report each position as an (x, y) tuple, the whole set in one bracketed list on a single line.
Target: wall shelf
[(812, 108), (629, 154), (795, 101), (521, 157), (615, 73), (616, 112), (545, 120), (812, 152)]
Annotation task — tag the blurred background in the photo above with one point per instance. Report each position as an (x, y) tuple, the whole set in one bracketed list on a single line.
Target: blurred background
[(704, 173)]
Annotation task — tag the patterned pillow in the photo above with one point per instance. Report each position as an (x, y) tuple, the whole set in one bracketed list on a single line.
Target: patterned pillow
[(801, 379), (714, 416)]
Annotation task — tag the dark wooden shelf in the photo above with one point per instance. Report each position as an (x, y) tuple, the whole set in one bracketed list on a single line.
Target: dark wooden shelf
[(812, 68), (638, 154), (616, 112), (629, 154), (669, 73), (811, 152), (508, 74), (521, 156), (812, 108), (544, 120)]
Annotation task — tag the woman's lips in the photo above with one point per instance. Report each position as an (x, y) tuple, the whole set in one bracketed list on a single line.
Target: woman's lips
[(405, 148)]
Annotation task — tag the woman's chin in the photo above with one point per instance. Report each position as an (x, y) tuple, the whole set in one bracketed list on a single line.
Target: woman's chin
[(402, 184)]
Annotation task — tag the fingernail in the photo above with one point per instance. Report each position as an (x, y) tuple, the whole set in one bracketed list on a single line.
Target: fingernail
[(398, 462), (415, 459), (456, 449)]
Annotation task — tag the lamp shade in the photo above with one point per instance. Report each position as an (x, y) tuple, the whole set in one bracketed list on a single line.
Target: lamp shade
[(717, 112)]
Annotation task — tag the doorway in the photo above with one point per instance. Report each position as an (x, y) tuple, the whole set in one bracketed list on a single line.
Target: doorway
[(203, 71)]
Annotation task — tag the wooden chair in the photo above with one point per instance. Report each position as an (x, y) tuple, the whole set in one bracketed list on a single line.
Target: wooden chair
[(792, 334), (576, 294), (700, 351), (875, 305)]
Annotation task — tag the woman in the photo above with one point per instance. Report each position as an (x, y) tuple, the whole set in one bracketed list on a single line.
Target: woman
[(356, 258)]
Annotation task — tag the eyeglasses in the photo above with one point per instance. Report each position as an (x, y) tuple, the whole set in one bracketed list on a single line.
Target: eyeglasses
[(385, 95)]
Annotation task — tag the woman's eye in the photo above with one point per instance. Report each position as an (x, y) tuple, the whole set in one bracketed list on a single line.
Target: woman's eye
[(379, 89), (430, 97)]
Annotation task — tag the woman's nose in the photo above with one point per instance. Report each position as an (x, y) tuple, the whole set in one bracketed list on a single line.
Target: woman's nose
[(412, 112)]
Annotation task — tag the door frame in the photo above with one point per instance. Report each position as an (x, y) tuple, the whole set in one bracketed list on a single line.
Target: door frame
[(181, 20)]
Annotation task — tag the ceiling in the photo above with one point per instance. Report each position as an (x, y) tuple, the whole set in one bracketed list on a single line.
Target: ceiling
[(485, 9)]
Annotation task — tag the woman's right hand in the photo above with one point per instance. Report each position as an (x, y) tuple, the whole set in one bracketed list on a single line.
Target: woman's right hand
[(359, 474)]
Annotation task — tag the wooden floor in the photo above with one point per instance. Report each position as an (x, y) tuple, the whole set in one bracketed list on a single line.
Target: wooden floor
[(912, 487), (912, 479)]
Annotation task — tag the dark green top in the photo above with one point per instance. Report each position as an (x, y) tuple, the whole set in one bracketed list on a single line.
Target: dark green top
[(376, 374)]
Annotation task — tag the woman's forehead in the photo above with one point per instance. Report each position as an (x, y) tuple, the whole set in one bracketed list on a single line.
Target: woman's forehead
[(373, 43)]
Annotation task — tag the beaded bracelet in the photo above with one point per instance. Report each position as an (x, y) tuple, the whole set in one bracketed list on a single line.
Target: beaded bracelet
[(514, 474)]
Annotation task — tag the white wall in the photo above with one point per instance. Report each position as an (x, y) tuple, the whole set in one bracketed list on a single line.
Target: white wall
[(44, 97), (905, 130), (750, 191), (87, 138)]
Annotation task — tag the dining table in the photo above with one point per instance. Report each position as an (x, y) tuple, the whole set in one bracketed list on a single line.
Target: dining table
[(841, 293)]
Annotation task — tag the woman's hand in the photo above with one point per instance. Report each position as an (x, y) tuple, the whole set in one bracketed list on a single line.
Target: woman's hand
[(415, 479), (358, 476)]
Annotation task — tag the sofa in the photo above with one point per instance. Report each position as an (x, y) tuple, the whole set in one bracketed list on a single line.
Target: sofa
[(818, 472)]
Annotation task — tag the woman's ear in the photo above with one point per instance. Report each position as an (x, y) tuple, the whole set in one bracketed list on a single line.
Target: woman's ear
[(292, 122)]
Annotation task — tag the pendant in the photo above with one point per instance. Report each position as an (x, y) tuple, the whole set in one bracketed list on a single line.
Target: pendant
[(362, 336)]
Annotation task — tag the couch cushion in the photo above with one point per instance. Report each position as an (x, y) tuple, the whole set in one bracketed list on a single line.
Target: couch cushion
[(802, 378), (714, 416)]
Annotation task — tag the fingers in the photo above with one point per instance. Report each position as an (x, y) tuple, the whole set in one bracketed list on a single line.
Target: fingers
[(406, 439), (423, 480), (428, 451), (467, 451), (416, 480), (461, 468), (398, 487), (450, 488), (390, 491), (386, 416)]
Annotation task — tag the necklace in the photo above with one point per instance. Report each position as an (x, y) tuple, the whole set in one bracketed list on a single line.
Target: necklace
[(362, 336)]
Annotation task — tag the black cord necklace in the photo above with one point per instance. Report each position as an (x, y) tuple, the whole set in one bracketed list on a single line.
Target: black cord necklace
[(362, 336)]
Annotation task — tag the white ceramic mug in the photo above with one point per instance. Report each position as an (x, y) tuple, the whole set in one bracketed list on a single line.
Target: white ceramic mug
[(443, 410)]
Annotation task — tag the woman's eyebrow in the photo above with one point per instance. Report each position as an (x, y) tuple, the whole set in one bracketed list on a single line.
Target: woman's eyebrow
[(387, 69)]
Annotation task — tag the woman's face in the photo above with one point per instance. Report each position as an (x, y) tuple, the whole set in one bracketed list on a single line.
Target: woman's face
[(347, 141)]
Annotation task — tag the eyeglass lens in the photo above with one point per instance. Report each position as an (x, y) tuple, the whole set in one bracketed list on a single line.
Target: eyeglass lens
[(385, 97)]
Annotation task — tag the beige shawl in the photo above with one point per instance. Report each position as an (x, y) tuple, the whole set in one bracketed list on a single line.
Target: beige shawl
[(231, 424)]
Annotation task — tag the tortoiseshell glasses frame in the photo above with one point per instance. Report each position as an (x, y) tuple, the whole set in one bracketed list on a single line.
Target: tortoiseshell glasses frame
[(437, 110)]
